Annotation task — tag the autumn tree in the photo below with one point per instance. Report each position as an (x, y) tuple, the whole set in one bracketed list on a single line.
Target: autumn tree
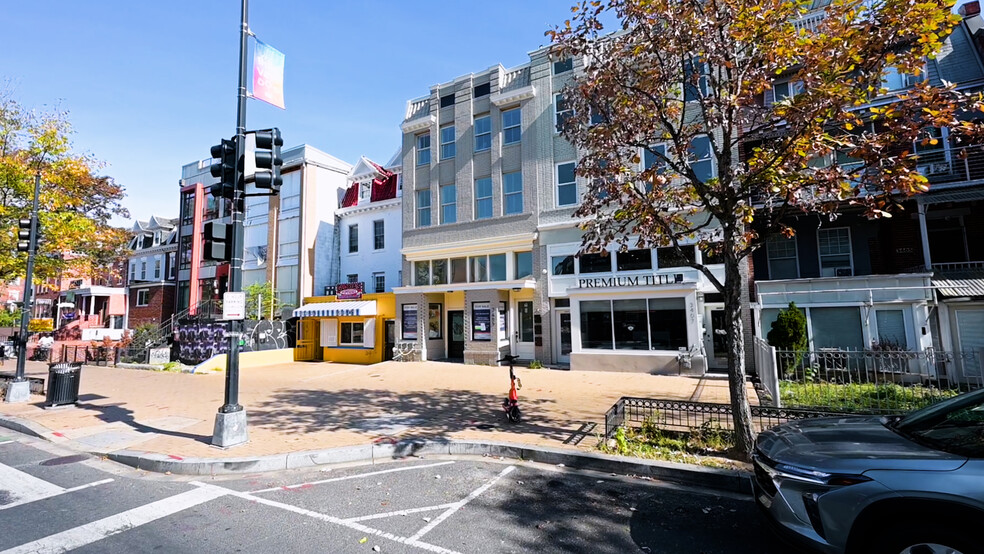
[(679, 88), (76, 203)]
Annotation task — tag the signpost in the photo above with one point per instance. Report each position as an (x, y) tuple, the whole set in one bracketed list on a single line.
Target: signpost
[(234, 306)]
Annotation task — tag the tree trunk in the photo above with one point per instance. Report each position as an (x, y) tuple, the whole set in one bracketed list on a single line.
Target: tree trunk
[(741, 413)]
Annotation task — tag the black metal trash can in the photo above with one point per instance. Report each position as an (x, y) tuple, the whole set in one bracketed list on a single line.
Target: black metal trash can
[(63, 384)]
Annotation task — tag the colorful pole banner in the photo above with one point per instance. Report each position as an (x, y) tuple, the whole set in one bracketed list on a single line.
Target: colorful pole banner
[(268, 74)]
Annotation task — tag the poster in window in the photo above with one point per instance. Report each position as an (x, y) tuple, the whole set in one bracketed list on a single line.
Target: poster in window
[(434, 326), (410, 322), (502, 321), (482, 321)]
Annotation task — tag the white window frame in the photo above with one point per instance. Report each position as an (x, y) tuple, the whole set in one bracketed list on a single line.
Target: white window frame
[(488, 198), (157, 268), (488, 134), (375, 282), (518, 125), (710, 155), (424, 193), (557, 184), (378, 234), (146, 297), (850, 246), (792, 89), (352, 278), (454, 203), (365, 190), (352, 324), (558, 98), (143, 270), (702, 83), (768, 256), (353, 248), (506, 195), (448, 149), (422, 150)]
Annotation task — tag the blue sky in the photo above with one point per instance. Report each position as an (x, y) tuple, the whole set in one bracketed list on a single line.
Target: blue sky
[(151, 85)]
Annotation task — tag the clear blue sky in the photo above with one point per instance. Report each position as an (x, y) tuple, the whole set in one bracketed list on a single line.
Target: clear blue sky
[(151, 85)]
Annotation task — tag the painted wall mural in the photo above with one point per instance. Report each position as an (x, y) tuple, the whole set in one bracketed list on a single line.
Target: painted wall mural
[(200, 340)]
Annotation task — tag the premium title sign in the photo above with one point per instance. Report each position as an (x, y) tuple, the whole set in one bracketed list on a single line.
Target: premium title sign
[(636, 281)]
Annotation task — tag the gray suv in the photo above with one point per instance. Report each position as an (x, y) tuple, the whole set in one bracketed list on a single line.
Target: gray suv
[(912, 484)]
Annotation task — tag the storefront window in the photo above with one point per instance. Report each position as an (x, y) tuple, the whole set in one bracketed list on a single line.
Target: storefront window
[(524, 265), (351, 333), (497, 267), (596, 324), (631, 331), (459, 270), (421, 273), (667, 323), (434, 326), (480, 269), (562, 265), (634, 260), (595, 263), (440, 268), (670, 257)]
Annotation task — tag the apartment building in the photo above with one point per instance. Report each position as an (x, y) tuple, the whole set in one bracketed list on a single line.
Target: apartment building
[(368, 229), (151, 271), (280, 232), (490, 243), (911, 282)]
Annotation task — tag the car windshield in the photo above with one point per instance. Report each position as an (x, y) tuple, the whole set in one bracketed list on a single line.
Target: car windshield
[(955, 425)]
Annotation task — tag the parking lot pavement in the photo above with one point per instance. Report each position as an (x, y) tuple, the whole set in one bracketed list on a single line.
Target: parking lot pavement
[(55, 502)]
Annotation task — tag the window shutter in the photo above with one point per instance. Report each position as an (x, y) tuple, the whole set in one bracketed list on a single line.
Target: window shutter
[(329, 332), (369, 333)]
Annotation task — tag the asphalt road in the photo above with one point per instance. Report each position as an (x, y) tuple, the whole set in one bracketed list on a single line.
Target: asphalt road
[(52, 500)]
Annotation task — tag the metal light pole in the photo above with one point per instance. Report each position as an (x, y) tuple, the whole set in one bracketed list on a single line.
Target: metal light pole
[(230, 421), (19, 390)]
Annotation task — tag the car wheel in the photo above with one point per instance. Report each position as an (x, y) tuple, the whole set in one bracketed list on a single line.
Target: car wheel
[(926, 537)]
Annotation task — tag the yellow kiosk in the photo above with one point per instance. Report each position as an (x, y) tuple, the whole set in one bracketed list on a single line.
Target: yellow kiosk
[(348, 327)]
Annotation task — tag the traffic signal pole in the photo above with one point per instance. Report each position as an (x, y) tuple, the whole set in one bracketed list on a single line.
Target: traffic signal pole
[(19, 390), (230, 421)]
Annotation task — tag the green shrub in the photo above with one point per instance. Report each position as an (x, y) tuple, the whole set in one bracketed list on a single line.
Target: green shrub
[(536, 364), (788, 332)]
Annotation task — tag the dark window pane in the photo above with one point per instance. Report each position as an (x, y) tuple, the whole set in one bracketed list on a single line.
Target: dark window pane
[(562, 265), (482, 90), (563, 65), (667, 323), (447, 100), (524, 265), (671, 257), (497, 267), (634, 260), (595, 263), (440, 271), (596, 324), (459, 270), (631, 332)]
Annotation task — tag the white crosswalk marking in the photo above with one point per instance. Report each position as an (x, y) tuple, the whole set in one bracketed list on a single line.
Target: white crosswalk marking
[(24, 487), (98, 530)]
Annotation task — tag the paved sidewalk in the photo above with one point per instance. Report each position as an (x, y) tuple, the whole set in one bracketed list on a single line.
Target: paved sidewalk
[(313, 406)]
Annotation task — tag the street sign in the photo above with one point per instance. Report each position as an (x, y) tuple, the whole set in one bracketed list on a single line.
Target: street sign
[(234, 305)]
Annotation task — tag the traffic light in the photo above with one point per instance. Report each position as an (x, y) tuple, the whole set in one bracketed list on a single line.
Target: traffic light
[(24, 231), (224, 169), (268, 160), (217, 237)]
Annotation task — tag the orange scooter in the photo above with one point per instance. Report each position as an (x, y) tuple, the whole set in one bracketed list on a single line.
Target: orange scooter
[(511, 404)]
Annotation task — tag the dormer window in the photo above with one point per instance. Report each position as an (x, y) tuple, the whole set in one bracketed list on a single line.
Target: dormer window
[(365, 190)]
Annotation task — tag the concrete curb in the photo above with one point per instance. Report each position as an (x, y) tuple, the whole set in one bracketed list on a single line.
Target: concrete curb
[(687, 474)]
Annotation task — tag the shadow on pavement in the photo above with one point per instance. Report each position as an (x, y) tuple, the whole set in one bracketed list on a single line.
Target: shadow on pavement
[(431, 415), (114, 413)]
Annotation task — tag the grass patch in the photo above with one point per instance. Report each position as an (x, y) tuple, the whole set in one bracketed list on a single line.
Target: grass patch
[(860, 397), (708, 445)]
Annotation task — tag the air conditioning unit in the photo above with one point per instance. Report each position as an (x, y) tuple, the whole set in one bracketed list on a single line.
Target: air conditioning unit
[(844, 272)]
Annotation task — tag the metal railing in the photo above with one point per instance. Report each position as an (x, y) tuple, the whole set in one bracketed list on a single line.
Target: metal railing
[(951, 165), (515, 79), (874, 381), (680, 415)]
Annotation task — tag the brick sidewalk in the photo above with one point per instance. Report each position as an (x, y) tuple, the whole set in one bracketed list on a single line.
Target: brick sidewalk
[(312, 406)]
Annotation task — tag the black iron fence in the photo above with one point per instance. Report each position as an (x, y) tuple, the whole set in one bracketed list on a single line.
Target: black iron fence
[(681, 415), (869, 381)]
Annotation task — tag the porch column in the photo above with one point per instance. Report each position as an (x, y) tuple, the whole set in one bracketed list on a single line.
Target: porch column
[(927, 263), (92, 305)]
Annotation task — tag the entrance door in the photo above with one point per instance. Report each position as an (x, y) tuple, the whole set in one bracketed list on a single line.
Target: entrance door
[(715, 337), (523, 336), (308, 341), (456, 335), (562, 326), (390, 342)]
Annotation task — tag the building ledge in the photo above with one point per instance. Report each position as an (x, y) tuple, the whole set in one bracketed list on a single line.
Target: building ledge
[(516, 284), (513, 96), (418, 124)]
